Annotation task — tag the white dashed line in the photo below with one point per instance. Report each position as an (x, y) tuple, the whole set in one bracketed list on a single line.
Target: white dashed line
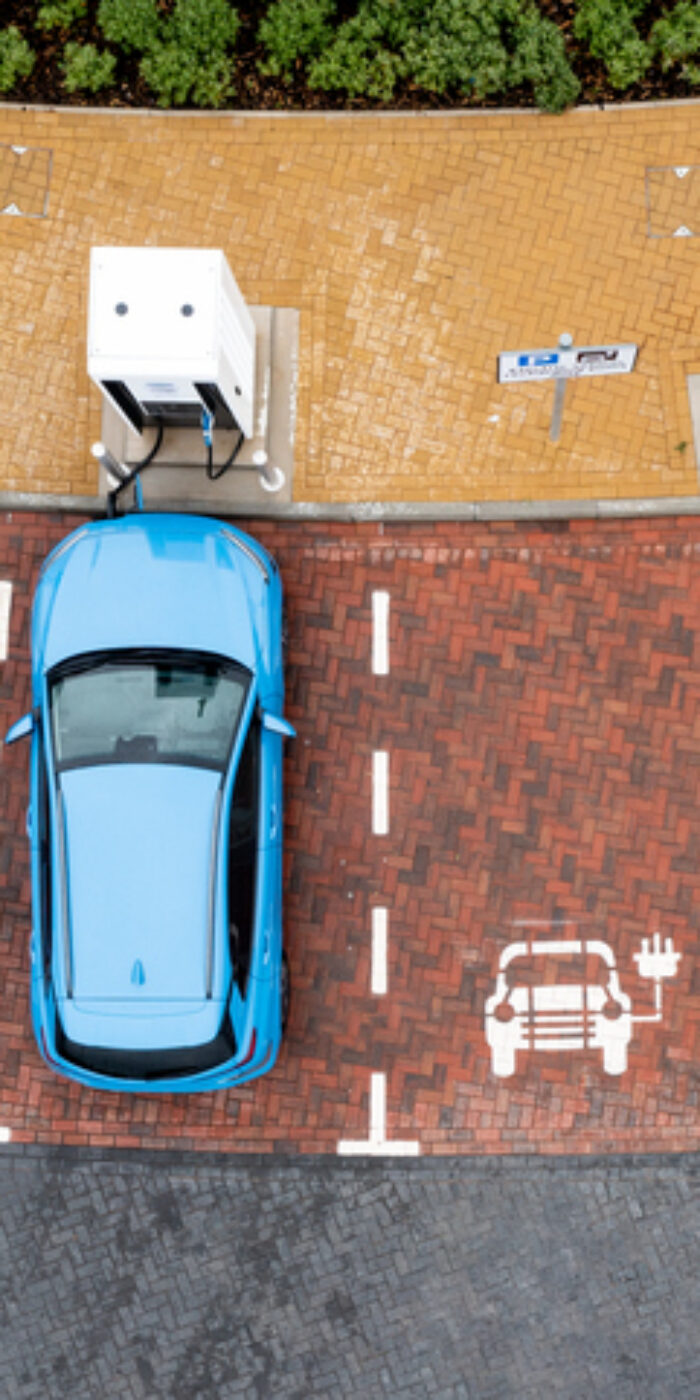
[(380, 793), (5, 608), (377, 1144), (380, 633), (380, 922)]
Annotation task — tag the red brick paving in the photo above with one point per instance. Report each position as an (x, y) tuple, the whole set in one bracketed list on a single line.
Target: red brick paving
[(542, 716)]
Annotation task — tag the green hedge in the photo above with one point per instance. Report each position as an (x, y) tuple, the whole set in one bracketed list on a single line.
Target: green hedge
[(372, 49), (473, 48)]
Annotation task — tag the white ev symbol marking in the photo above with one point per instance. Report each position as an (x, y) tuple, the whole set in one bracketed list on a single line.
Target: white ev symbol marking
[(527, 1014)]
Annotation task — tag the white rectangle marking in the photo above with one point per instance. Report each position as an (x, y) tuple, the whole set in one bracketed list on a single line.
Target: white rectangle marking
[(351, 1147), (380, 793), (5, 607), (5, 1134), (380, 920), (380, 633)]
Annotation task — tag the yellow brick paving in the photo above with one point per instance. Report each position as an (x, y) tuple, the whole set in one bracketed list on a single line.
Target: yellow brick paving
[(416, 248)]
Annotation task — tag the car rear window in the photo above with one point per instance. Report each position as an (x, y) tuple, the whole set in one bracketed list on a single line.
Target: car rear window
[(175, 1063), (155, 707)]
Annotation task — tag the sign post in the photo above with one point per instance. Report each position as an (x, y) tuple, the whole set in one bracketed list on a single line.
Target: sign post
[(565, 343), (566, 362)]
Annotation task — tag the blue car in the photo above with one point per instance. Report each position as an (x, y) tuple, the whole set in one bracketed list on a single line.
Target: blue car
[(155, 818)]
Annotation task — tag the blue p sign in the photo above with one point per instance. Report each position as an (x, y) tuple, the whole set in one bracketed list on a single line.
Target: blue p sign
[(545, 357)]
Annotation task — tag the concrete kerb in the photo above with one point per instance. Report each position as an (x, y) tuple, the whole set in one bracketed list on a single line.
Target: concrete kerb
[(343, 114), (627, 508), (450, 1164)]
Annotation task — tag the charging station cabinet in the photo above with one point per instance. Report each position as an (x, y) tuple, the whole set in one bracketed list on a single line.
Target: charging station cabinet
[(170, 335)]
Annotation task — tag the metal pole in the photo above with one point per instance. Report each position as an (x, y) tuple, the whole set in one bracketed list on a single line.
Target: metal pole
[(271, 478), (116, 469), (565, 343)]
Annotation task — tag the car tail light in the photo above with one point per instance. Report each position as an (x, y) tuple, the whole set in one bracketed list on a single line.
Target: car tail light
[(251, 1050)]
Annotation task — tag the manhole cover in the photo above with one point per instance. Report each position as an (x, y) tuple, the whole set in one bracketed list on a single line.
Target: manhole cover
[(673, 201), (25, 172)]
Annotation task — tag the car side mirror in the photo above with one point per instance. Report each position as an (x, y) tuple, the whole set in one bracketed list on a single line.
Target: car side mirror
[(277, 725), (20, 729)]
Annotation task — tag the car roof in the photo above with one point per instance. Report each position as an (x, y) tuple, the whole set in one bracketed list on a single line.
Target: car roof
[(139, 855)]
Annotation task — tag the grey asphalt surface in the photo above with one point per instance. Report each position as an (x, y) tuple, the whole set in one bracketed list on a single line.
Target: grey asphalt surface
[(167, 1275)]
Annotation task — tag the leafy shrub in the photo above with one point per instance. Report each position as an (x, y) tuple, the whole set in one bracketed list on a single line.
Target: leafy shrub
[(676, 38), (607, 27), (204, 26), (169, 71), (292, 30), (184, 54), (461, 46), (133, 24), (540, 59), (61, 14), (16, 58), (190, 59), (175, 74), (85, 69), (357, 65), (365, 58)]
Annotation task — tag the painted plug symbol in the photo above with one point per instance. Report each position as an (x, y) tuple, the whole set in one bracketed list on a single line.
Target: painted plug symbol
[(655, 964)]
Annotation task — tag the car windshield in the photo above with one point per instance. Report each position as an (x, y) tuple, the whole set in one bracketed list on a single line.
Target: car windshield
[(146, 707), (577, 968)]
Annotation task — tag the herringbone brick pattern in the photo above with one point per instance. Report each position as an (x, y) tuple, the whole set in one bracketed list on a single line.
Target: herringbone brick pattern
[(162, 1277), (542, 719), (416, 249)]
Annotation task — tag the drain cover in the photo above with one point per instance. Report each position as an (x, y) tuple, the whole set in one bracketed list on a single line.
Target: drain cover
[(673, 201), (25, 173)]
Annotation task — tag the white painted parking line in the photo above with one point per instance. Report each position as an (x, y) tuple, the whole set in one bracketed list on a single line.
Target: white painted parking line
[(5, 608), (380, 633), (380, 922), (377, 1109), (380, 793), (377, 1144)]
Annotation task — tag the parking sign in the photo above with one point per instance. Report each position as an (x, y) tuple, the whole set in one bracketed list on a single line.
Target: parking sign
[(578, 362)]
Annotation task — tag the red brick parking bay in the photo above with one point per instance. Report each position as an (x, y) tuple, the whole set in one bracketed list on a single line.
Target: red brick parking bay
[(492, 845)]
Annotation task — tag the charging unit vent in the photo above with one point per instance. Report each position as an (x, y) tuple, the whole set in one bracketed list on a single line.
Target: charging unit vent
[(170, 334)]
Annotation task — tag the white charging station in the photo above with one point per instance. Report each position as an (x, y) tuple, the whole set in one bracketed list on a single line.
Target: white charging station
[(190, 377), (169, 335)]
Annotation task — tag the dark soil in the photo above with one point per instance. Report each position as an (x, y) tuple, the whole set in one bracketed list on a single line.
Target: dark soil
[(253, 91)]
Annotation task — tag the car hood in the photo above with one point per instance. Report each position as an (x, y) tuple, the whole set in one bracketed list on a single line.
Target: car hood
[(138, 852), (148, 580)]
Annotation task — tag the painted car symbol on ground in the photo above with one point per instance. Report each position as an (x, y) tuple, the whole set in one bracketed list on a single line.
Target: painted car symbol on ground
[(565, 994)]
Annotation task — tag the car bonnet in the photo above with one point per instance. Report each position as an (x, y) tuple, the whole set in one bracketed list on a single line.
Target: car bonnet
[(139, 844), (145, 581)]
